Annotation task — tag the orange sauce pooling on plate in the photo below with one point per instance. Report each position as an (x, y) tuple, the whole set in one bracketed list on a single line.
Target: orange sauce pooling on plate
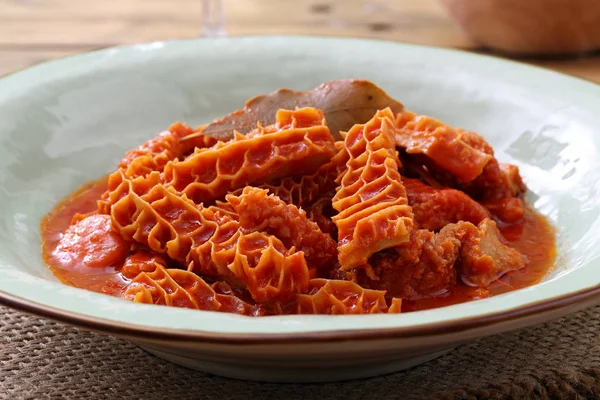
[(70, 270)]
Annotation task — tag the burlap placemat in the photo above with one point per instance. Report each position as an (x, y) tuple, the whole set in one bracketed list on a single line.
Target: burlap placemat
[(44, 359)]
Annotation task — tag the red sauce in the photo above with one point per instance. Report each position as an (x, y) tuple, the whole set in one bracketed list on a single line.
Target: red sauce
[(533, 237), (98, 275)]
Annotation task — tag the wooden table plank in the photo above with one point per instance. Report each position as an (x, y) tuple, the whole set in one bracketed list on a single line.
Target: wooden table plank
[(585, 67), (423, 22), (66, 22), (15, 60), (32, 31)]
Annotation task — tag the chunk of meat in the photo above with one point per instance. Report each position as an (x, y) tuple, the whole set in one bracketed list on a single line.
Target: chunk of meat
[(509, 209), (485, 256), (441, 144), (435, 208), (499, 188), (299, 143), (373, 209), (497, 181), (422, 267), (261, 212), (427, 265), (514, 182), (90, 242)]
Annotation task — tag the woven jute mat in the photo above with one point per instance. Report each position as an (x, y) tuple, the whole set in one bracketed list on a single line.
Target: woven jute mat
[(43, 359)]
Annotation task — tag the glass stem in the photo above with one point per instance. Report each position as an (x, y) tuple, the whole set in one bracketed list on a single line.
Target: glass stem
[(212, 18)]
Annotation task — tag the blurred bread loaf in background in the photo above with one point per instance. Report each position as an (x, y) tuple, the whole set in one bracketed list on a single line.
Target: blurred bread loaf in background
[(530, 27)]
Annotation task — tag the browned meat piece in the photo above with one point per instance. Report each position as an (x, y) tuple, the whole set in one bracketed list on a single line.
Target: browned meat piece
[(498, 180), (508, 209), (514, 182), (435, 208), (423, 267), (499, 188), (485, 256), (427, 265)]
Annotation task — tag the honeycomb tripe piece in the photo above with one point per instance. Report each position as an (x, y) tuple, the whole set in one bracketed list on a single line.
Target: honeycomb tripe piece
[(463, 160), (259, 211), (154, 154), (141, 261), (313, 193), (120, 185), (327, 296), (305, 190), (299, 143), (209, 242), (371, 200), (441, 144), (181, 288)]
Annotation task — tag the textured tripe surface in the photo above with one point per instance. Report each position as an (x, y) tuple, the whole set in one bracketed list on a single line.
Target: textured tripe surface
[(373, 211), (299, 143), (285, 220)]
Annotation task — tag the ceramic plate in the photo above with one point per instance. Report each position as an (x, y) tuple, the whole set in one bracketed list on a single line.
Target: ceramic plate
[(65, 122)]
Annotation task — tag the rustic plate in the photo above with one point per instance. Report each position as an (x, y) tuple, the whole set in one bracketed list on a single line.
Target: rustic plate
[(68, 121)]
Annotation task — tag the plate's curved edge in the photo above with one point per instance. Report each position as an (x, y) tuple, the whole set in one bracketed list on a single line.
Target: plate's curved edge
[(583, 298)]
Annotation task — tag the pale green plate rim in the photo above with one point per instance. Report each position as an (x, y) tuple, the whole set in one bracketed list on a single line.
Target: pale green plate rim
[(585, 295)]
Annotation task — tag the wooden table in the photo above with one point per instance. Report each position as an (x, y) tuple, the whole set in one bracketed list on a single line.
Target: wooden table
[(32, 31)]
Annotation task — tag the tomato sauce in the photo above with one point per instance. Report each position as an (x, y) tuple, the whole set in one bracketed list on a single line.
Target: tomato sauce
[(104, 279), (534, 237)]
